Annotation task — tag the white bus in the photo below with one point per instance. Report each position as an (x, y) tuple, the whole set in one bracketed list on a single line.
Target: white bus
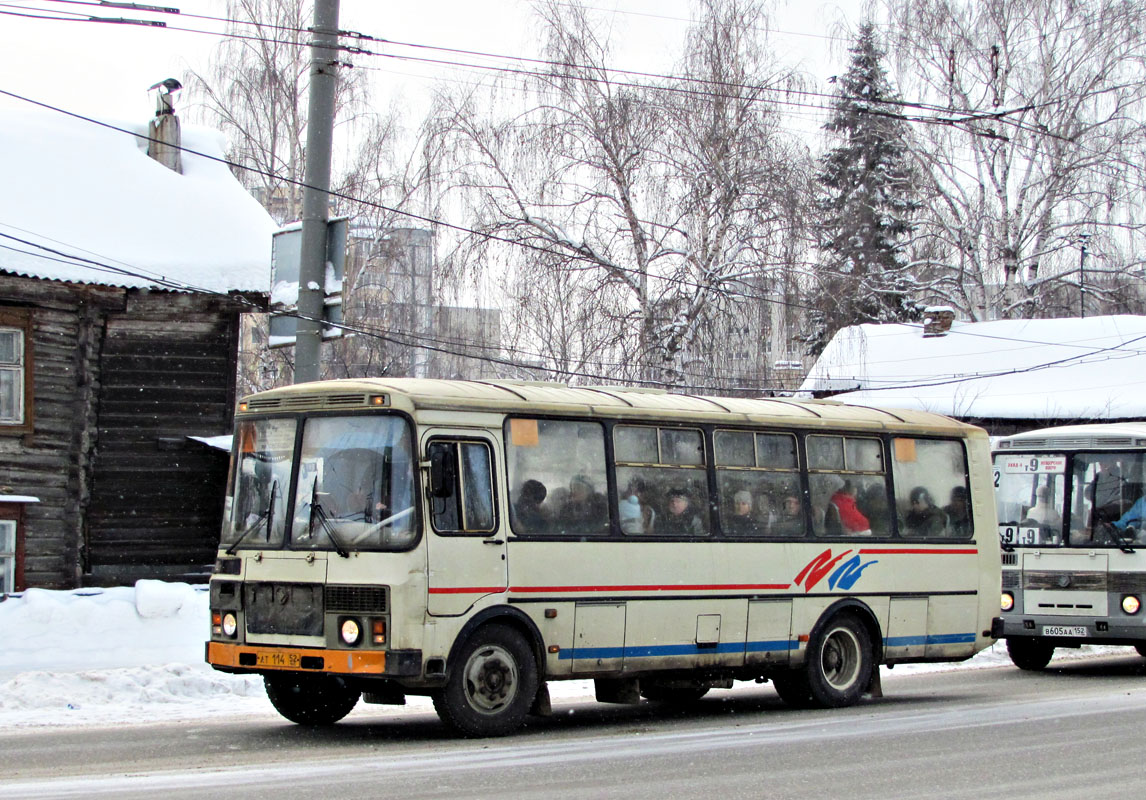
[(472, 541), (1070, 522)]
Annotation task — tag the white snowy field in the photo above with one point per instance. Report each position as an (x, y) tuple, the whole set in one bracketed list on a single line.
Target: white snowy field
[(131, 655)]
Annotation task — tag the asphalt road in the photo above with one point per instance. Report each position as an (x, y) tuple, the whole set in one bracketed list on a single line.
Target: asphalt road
[(1073, 731)]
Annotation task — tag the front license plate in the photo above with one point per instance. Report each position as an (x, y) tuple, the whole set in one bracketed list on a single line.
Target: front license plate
[(284, 660), (1064, 630)]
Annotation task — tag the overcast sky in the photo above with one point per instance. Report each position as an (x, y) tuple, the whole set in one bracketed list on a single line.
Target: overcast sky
[(105, 69)]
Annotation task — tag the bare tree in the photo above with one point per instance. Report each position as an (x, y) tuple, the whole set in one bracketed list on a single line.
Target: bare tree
[(1048, 100), (658, 201)]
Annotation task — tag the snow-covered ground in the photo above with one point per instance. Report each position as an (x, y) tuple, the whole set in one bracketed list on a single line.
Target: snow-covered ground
[(135, 655)]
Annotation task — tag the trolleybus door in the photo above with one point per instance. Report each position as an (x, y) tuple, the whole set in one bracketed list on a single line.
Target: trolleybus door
[(466, 547)]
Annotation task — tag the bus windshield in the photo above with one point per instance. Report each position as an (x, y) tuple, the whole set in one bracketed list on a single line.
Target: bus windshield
[(355, 485), (1086, 499), (256, 503)]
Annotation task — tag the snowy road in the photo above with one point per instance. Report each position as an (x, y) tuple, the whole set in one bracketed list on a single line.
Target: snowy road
[(1073, 731)]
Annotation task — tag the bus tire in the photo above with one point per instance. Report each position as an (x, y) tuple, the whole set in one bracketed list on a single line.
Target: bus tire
[(1029, 653), (793, 689), (839, 662), (314, 700), (492, 684)]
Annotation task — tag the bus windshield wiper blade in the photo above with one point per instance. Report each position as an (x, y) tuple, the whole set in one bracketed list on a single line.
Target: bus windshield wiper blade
[(268, 516), (319, 513)]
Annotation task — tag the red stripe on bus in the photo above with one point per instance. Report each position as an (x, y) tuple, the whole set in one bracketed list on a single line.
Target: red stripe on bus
[(466, 589), (678, 588), (879, 551)]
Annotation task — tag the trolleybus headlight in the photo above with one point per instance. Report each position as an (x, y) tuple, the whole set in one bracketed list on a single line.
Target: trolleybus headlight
[(1007, 601), (350, 631), (1131, 604), (230, 625)]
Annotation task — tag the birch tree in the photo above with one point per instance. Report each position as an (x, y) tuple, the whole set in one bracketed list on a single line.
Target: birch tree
[(659, 198), (1046, 153)]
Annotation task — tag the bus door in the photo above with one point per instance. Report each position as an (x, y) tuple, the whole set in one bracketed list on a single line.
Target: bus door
[(466, 545)]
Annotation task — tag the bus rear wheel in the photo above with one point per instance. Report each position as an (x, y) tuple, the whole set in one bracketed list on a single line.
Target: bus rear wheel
[(1029, 653), (315, 700), (839, 662), (491, 685)]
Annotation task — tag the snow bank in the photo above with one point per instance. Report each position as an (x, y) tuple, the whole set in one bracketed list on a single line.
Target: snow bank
[(135, 654)]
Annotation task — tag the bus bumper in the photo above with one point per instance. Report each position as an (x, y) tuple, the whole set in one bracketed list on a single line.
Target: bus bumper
[(248, 658)]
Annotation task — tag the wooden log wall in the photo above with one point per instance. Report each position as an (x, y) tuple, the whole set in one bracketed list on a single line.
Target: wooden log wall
[(167, 370)]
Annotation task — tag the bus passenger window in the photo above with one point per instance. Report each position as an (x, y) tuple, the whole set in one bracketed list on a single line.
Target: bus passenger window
[(931, 495), (557, 483)]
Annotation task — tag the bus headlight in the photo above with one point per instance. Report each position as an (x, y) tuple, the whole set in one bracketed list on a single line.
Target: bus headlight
[(1007, 601), (230, 625), (350, 631), (1131, 604)]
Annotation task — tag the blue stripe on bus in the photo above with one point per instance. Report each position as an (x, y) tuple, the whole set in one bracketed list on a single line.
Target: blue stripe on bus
[(662, 650), (764, 646), (945, 638)]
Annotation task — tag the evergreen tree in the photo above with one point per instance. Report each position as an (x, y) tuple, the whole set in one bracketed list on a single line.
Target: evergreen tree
[(866, 201)]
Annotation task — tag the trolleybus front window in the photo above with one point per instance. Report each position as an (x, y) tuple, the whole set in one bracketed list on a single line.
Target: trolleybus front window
[(355, 485), (1030, 490), (256, 495), (1105, 509)]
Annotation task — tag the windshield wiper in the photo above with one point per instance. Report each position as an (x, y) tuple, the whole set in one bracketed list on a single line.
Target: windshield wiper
[(319, 513), (268, 516)]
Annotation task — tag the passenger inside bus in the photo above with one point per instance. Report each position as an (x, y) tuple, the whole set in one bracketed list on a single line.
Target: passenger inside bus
[(636, 512), (530, 515), (843, 511), (924, 518), (680, 518), (873, 505), (585, 508), (958, 513), (790, 520), (741, 521), (1042, 512)]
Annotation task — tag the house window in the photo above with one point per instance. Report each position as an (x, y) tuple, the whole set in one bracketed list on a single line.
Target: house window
[(11, 376), (7, 556), (15, 371)]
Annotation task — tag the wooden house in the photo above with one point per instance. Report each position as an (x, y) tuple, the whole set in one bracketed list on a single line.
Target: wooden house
[(121, 285)]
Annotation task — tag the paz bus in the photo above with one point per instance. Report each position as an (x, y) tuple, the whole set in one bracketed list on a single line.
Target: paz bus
[(1071, 528), (473, 541)]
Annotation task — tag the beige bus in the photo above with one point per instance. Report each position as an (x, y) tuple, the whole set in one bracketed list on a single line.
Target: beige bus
[(472, 541)]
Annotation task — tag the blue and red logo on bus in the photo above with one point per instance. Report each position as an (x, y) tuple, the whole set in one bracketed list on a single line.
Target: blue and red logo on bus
[(843, 575)]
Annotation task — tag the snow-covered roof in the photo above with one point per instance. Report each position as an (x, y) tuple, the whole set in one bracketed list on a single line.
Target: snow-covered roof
[(91, 192), (1090, 368)]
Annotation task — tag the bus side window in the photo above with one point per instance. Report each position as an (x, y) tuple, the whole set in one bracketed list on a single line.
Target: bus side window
[(461, 491)]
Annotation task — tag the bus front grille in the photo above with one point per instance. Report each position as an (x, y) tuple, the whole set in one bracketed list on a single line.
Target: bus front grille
[(357, 599)]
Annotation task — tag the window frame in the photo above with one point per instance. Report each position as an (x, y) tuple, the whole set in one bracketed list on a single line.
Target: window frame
[(20, 320), (706, 512), (457, 442), (797, 471)]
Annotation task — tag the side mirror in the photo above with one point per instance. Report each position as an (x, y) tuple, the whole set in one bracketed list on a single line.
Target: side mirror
[(443, 471)]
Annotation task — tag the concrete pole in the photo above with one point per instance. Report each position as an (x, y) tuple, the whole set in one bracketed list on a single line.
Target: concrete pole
[(315, 197)]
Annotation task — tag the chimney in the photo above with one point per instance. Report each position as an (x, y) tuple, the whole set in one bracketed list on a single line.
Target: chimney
[(165, 142), (937, 320)]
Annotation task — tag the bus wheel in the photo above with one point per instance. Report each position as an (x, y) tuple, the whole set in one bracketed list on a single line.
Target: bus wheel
[(839, 662), (1029, 653), (675, 695), (793, 689), (492, 684), (311, 699)]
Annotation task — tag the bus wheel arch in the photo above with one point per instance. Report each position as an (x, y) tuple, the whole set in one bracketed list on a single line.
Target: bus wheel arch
[(492, 680), (504, 615), (842, 656)]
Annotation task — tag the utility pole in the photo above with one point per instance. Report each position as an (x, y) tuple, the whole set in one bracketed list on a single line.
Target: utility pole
[(315, 196), (1083, 240)]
